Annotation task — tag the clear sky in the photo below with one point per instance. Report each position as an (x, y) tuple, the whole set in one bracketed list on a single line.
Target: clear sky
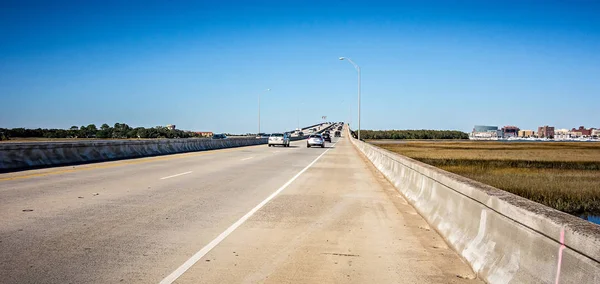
[(202, 64)]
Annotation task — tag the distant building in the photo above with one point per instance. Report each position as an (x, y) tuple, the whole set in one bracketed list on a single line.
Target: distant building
[(171, 126), (562, 134), (546, 132), (526, 133), (595, 133), (484, 132), (576, 134), (584, 132), (484, 128), (510, 131)]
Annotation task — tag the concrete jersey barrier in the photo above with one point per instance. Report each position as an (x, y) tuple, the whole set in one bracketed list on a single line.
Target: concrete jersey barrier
[(19, 156), (505, 238), (36, 155)]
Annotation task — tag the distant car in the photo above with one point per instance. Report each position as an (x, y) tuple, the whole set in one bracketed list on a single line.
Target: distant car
[(315, 140), (219, 136), (338, 134), (327, 132), (300, 133), (327, 137), (279, 139)]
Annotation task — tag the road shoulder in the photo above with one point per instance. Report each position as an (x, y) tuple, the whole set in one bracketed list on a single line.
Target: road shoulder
[(341, 221)]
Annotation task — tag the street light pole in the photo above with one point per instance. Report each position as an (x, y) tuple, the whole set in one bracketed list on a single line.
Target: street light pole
[(358, 70), (259, 112)]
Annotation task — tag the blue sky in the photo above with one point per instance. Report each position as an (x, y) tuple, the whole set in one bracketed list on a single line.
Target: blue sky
[(202, 64)]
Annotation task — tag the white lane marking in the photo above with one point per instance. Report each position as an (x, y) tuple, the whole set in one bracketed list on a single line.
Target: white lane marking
[(245, 159), (276, 151), (176, 175), (201, 253)]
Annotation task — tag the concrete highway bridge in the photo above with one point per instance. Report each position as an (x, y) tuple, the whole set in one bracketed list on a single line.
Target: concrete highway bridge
[(346, 213)]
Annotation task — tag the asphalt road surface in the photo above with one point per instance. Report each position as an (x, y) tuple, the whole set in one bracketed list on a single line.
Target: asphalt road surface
[(241, 215)]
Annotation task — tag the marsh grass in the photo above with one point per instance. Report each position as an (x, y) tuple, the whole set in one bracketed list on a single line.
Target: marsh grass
[(565, 176)]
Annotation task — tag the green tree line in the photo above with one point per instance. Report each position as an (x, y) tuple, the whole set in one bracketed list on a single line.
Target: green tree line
[(117, 131), (413, 134)]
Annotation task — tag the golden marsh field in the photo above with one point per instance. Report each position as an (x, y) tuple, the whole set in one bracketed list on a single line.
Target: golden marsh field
[(565, 176)]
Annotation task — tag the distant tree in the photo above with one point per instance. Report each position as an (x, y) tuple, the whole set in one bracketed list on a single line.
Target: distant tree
[(104, 132), (413, 134), (4, 135), (92, 127), (142, 132), (82, 132), (91, 131), (120, 130)]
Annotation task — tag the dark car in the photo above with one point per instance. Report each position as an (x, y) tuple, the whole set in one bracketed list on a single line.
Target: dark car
[(219, 136), (327, 137), (338, 134)]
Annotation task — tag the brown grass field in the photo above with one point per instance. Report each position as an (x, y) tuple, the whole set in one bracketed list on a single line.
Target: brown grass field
[(565, 176)]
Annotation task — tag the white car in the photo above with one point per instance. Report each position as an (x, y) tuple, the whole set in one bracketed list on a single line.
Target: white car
[(282, 139), (315, 140)]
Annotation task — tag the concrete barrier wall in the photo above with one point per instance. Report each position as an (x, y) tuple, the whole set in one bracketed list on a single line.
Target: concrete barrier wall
[(20, 156), (505, 238)]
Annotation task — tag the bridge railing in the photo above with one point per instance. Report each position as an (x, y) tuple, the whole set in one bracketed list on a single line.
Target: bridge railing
[(505, 238)]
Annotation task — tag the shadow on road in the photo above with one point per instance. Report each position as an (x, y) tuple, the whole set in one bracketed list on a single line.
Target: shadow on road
[(326, 147)]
